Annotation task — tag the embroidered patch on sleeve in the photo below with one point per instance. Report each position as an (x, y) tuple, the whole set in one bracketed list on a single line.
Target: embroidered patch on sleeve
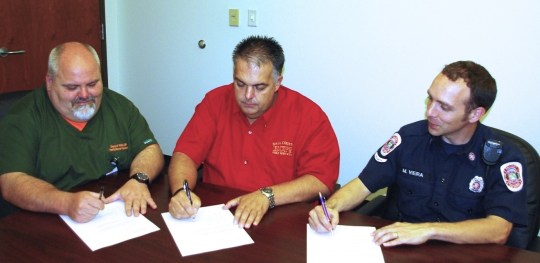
[(391, 144), (378, 158), (512, 174)]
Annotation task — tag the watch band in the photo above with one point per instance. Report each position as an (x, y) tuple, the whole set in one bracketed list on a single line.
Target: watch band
[(141, 178), (178, 191), (267, 191)]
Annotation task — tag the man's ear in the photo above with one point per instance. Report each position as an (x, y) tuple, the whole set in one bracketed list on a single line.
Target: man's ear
[(476, 114), (278, 83), (48, 81)]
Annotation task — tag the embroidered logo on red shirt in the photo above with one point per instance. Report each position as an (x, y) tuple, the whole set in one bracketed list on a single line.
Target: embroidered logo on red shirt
[(282, 148)]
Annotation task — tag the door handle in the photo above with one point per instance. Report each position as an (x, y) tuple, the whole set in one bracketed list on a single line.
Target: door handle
[(4, 52)]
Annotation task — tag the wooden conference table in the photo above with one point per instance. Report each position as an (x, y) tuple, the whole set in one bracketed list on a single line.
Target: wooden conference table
[(280, 237)]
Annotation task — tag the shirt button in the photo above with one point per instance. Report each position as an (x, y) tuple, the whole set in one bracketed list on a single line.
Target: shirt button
[(442, 180), (245, 162), (250, 132), (436, 203)]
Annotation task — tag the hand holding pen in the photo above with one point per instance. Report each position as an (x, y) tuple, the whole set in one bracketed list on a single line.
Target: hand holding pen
[(325, 209), (188, 192), (101, 192), (178, 205)]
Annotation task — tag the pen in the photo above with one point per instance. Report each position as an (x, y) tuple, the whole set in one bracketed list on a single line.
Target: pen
[(188, 192), (323, 204), (101, 191)]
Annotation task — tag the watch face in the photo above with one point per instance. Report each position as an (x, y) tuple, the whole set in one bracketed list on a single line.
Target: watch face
[(142, 176)]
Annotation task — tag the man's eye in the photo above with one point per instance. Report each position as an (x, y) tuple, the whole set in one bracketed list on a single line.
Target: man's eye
[(445, 108), (260, 88)]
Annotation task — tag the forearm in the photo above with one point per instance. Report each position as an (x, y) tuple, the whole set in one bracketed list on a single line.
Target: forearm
[(301, 189), (182, 168), (149, 161), (349, 196), (492, 229), (30, 193)]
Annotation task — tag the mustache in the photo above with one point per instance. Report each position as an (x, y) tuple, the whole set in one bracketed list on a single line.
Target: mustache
[(84, 100)]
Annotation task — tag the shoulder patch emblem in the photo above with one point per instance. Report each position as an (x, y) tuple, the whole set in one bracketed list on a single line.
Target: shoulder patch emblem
[(512, 174), (476, 185), (391, 144), (379, 159)]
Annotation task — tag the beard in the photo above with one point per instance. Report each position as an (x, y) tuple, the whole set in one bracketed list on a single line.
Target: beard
[(85, 112)]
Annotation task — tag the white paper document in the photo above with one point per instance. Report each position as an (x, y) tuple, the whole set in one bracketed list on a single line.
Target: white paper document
[(343, 244), (211, 229), (111, 226)]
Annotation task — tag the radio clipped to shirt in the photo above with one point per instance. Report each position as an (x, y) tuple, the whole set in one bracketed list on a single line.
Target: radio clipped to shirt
[(492, 151)]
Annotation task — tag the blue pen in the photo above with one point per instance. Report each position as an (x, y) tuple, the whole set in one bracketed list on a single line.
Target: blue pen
[(188, 192), (323, 204)]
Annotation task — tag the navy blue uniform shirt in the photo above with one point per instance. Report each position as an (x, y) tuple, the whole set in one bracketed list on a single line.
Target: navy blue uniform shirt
[(437, 181)]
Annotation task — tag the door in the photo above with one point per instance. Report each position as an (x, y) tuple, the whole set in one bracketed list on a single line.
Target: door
[(35, 27)]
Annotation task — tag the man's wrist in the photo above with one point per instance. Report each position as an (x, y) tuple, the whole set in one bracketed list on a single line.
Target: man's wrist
[(268, 193), (178, 191), (141, 178)]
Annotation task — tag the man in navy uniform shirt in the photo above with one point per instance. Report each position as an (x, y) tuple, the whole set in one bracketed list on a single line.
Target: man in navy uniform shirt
[(445, 188)]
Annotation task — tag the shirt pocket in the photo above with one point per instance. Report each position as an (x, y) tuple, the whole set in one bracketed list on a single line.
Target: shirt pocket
[(467, 203), (414, 193)]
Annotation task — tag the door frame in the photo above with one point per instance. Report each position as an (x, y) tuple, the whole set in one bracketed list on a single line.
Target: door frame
[(104, 73)]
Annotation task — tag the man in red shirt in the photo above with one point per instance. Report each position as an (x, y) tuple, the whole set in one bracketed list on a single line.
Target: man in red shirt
[(255, 135)]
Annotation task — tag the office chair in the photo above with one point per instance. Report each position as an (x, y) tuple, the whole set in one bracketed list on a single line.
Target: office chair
[(386, 206), (7, 100)]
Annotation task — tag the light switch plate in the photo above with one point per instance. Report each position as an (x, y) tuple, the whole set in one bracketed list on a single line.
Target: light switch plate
[(233, 17)]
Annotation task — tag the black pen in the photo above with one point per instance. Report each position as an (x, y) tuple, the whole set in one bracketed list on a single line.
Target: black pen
[(188, 192), (101, 192)]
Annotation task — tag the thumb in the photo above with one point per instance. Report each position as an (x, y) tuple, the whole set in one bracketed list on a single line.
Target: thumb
[(231, 203), (114, 197)]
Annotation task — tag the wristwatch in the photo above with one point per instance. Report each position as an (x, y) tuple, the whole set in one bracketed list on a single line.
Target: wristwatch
[(267, 191), (141, 178)]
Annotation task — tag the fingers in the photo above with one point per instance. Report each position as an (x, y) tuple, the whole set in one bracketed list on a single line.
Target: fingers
[(114, 197), (248, 216), (138, 206), (386, 238), (181, 207), (397, 234), (250, 209), (84, 206), (231, 203), (319, 222), (136, 198)]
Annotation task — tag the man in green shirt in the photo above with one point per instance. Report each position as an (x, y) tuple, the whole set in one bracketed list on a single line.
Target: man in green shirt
[(71, 132)]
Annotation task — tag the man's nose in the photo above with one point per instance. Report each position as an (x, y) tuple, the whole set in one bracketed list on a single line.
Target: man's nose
[(430, 110), (250, 92), (83, 93)]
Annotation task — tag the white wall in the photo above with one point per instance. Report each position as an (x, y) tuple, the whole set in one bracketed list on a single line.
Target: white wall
[(367, 63)]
